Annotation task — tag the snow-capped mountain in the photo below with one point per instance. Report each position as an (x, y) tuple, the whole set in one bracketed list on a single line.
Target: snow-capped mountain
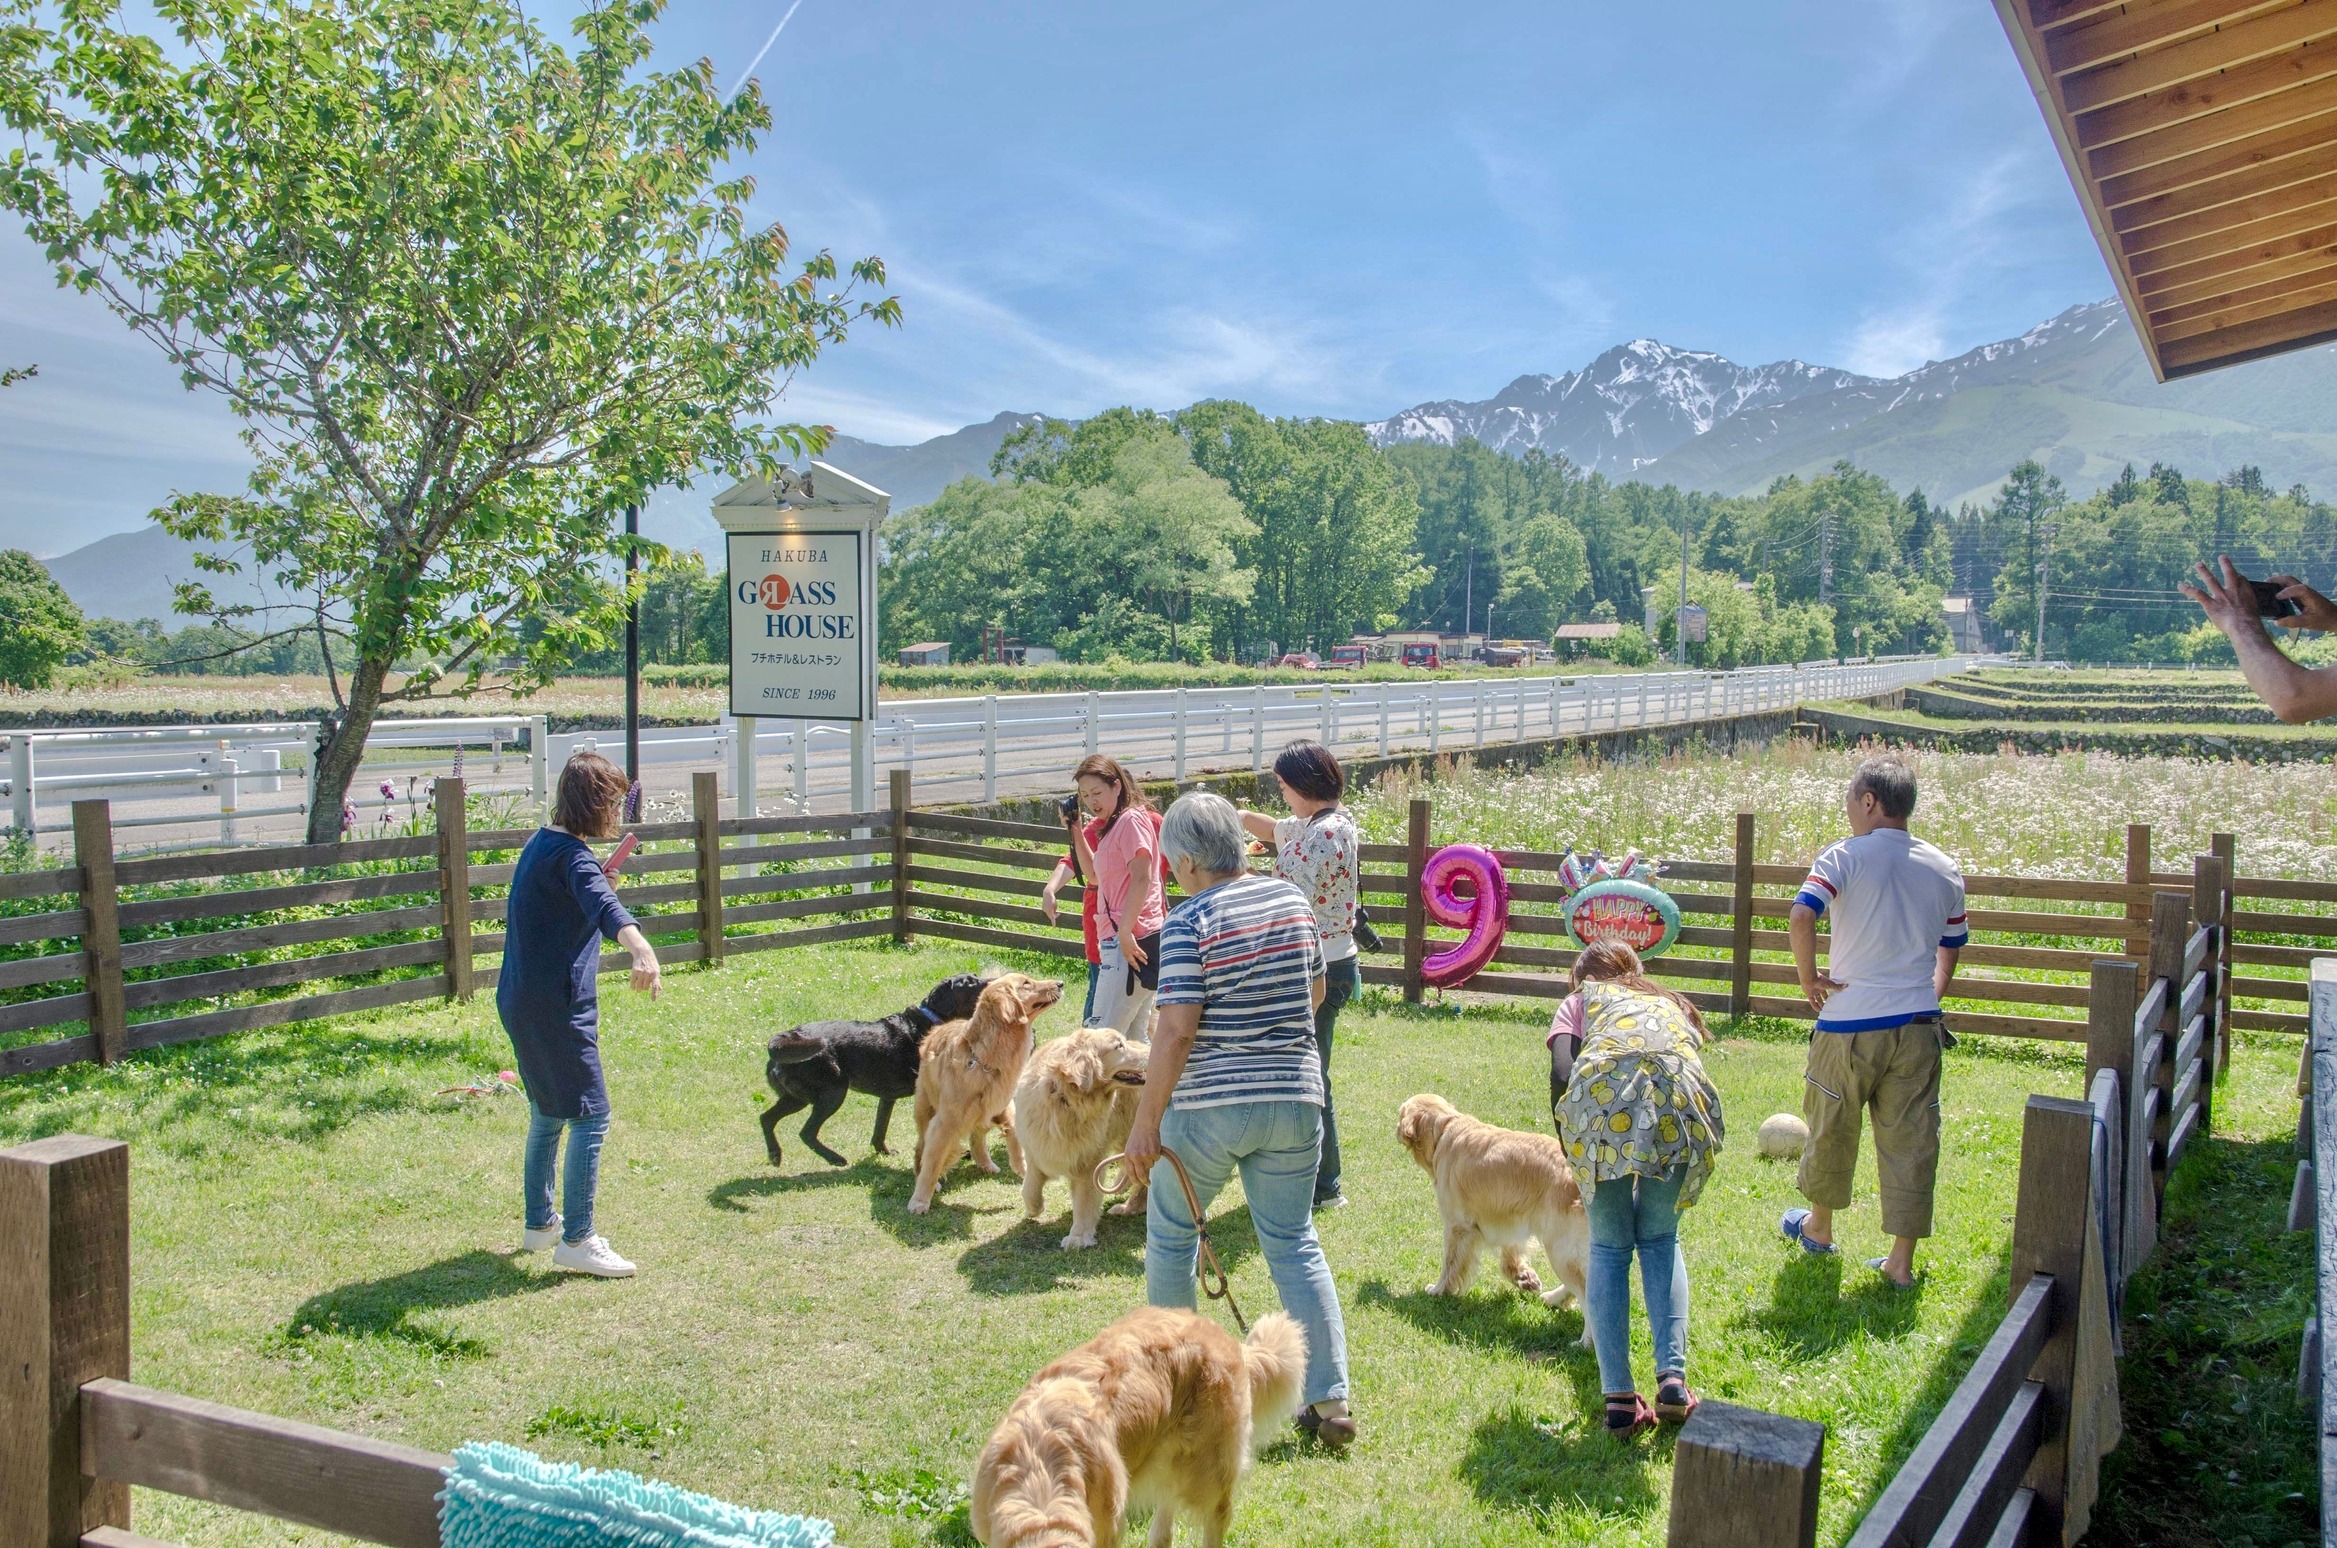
[(2073, 392), (1622, 411)]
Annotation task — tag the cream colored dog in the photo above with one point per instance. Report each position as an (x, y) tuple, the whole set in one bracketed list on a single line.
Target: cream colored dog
[(966, 1071), (1161, 1409), (1500, 1187), (1074, 1106)]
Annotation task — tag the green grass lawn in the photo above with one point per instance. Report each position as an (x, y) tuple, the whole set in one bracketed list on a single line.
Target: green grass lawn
[(317, 1234)]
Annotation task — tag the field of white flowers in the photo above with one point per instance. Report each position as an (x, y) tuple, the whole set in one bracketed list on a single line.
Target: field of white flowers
[(2059, 815)]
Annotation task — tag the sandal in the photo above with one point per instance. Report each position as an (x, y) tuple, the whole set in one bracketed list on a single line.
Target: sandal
[(1675, 1400), (1628, 1416), (1791, 1224)]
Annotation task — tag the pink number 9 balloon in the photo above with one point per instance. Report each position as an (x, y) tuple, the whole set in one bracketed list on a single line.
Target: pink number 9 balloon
[(1485, 915)]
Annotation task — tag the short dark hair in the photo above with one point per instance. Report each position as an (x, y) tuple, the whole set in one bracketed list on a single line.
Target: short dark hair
[(591, 803), (1312, 770), (1891, 781)]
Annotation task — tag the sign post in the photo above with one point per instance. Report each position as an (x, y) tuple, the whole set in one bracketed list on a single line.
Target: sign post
[(801, 579)]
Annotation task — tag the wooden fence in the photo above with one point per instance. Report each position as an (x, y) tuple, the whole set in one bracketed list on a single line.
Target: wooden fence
[(2013, 1458), (129, 953), (2312, 1206)]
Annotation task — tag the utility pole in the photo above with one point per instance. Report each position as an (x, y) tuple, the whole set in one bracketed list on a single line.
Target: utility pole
[(1680, 618), (1469, 592), (1826, 559), (2044, 573)]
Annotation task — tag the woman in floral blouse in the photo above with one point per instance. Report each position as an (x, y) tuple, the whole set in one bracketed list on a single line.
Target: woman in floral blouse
[(1315, 849), (1641, 1124)]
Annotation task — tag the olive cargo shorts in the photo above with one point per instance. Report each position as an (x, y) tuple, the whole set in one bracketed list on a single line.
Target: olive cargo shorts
[(1895, 1072)]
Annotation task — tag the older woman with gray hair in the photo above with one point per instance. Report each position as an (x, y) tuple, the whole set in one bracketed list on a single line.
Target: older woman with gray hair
[(1234, 1084)]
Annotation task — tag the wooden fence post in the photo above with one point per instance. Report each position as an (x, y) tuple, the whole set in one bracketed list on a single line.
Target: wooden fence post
[(900, 795), (2137, 875), (706, 810), (2222, 846), (454, 887), (1740, 976), (2111, 1000), (2049, 1237), (101, 899), (64, 1320), (1742, 1478), (2208, 881), (2170, 932), (1415, 907)]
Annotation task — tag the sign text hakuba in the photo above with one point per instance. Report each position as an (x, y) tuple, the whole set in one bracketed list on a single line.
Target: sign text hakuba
[(798, 625)]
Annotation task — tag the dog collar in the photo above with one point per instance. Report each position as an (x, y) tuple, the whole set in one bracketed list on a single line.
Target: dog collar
[(926, 1012)]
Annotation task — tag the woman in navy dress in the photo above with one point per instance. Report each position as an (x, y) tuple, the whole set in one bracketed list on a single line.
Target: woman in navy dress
[(562, 907)]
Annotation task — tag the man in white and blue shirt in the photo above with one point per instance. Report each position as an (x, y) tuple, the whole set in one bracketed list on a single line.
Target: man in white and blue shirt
[(1897, 906)]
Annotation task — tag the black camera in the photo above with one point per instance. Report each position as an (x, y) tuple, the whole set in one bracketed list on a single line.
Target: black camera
[(1069, 807)]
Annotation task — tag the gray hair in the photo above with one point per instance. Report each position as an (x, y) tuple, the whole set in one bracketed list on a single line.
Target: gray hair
[(1891, 781), (1204, 831)]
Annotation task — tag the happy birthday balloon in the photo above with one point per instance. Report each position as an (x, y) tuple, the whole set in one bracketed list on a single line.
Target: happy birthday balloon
[(1485, 914), (1632, 912)]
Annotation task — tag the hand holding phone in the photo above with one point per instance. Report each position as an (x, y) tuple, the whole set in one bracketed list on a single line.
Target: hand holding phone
[(2269, 601), (624, 852)]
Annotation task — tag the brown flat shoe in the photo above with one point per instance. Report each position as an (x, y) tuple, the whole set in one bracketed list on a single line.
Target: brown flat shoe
[(1336, 1433)]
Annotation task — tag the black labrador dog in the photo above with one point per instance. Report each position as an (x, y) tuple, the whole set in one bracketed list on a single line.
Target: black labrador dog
[(819, 1063)]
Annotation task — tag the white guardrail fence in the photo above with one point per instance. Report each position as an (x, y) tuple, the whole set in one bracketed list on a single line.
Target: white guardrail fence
[(209, 785)]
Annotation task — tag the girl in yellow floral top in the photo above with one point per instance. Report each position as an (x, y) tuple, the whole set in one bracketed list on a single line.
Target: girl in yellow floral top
[(1641, 1124)]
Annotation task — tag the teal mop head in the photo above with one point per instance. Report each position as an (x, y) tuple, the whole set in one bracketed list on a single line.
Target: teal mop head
[(498, 1496)]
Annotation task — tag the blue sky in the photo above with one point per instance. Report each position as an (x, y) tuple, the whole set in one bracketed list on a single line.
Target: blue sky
[(1321, 208)]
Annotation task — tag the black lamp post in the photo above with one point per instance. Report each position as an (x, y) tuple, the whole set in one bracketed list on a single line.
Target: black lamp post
[(632, 647)]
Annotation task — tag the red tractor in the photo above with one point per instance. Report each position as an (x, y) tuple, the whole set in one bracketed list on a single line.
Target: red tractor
[(1423, 654)]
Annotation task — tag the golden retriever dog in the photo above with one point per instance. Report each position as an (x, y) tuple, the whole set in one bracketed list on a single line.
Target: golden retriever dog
[(966, 1072), (1074, 1106), (1501, 1187), (1157, 1411)]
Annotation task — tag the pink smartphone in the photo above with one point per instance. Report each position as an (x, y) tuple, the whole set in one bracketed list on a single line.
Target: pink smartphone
[(624, 852)]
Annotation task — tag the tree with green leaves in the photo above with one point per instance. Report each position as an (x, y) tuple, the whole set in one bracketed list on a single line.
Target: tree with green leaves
[(39, 625), (2030, 498), (469, 291)]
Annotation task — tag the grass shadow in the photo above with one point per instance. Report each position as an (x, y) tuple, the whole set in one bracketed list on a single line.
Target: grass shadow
[(889, 1187), (1490, 1317), (1515, 1461), (1809, 1313), (1029, 1258), (735, 1194), (386, 1308), (301, 1083)]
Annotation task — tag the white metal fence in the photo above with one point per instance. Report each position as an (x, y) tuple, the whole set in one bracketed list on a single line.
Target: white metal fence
[(197, 784)]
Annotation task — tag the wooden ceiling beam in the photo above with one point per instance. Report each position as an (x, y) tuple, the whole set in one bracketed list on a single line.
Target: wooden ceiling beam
[(2044, 15), (2143, 24), (2212, 131), (2244, 304), (2224, 319), (2222, 265), (2256, 233), (2187, 100), (2219, 52), (2265, 151), (2227, 217), (2273, 335), (2212, 200), (2213, 281)]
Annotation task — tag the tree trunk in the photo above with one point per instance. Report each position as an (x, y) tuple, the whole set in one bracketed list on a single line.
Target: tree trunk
[(337, 760)]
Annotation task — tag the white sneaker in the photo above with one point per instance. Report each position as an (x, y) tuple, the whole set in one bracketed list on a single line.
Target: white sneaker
[(538, 1240), (593, 1255)]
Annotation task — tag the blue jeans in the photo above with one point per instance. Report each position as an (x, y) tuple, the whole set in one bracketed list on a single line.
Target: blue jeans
[(578, 1180), (1342, 981), (1275, 1146), (1095, 971), (1645, 1218)]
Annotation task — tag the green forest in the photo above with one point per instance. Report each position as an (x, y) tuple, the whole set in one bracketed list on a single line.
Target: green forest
[(1209, 533)]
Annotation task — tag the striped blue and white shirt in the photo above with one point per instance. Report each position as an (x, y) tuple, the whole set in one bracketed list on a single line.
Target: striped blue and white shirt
[(1247, 952)]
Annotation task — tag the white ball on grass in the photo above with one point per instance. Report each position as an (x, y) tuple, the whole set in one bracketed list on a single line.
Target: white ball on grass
[(1782, 1136)]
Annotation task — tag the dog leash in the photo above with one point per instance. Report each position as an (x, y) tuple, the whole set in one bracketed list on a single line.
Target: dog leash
[(1214, 1284)]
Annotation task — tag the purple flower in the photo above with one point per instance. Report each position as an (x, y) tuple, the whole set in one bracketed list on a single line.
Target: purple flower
[(389, 792), (348, 814), (633, 802)]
